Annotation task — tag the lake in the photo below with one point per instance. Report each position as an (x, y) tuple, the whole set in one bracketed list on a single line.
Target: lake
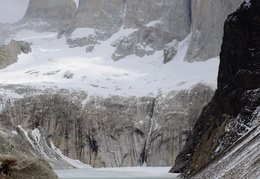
[(117, 173)]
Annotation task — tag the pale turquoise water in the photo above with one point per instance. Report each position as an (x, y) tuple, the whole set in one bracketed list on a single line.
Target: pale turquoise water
[(117, 173)]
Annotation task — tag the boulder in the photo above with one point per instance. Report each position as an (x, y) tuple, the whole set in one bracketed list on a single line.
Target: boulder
[(32, 168)]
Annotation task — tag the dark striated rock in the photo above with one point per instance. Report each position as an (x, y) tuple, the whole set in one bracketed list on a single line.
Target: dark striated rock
[(234, 108), (9, 53)]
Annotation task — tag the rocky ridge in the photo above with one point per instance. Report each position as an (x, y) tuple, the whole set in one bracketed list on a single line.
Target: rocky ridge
[(222, 123), (9, 53)]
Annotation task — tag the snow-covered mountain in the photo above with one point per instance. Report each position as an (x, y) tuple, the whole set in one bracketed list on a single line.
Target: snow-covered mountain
[(111, 82)]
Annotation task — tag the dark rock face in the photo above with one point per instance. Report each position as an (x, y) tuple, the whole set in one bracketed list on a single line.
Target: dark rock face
[(9, 53), (234, 108)]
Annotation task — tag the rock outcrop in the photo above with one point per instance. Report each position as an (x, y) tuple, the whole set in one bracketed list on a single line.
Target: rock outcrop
[(156, 24), (207, 28), (23, 144), (234, 109), (9, 53), (49, 14), (32, 168), (113, 131)]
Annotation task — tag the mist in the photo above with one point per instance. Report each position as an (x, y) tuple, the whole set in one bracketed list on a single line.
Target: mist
[(12, 10)]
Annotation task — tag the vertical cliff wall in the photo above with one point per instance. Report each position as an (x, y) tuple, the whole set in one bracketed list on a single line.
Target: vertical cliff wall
[(113, 131), (234, 108)]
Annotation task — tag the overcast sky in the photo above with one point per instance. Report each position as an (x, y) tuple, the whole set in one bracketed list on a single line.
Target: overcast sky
[(12, 10)]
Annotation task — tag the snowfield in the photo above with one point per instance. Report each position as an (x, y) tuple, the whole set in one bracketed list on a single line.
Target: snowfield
[(53, 64)]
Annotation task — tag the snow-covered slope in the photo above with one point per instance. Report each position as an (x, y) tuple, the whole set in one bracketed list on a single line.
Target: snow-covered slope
[(53, 63), (142, 93)]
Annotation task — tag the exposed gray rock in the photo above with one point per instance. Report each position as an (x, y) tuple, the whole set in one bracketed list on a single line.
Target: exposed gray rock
[(241, 160), (207, 27), (113, 131), (105, 15), (32, 168), (56, 13), (33, 144), (234, 110), (9, 53), (157, 23), (170, 50)]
